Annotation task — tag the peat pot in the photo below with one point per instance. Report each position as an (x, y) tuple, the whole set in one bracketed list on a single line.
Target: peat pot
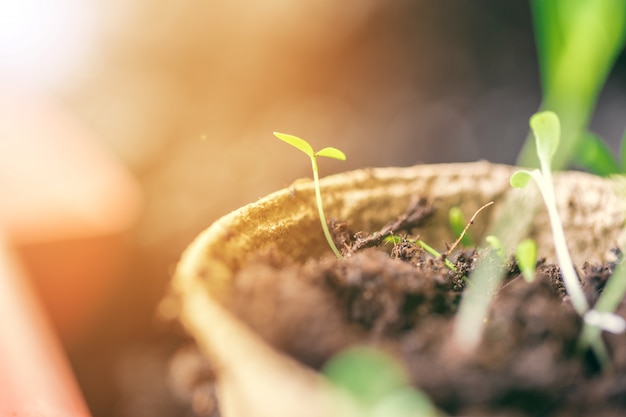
[(256, 380)]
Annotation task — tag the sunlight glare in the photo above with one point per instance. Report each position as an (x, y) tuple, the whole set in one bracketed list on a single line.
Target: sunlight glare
[(44, 43)]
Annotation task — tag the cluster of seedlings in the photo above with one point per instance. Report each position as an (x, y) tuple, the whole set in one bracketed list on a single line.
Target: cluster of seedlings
[(475, 304)]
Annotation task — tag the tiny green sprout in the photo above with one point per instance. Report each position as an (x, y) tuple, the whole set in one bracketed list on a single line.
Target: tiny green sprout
[(457, 225), (378, 383), (526, 257), (429, 249), (436, 254), (495, 244), (329, 152), (594, 155), (392, 239), (547, 130)]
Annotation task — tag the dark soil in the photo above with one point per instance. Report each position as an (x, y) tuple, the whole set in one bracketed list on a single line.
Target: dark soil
[(400, 298)]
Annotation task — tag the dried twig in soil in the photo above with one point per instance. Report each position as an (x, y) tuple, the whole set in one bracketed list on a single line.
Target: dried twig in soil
[(418, 211)]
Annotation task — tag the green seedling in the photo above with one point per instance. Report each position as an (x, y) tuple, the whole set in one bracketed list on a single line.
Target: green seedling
[(329, 152), (429, 249), (482, 286), (459, 222), (463, 232), (457, 225), (377, 383), (495, 244), (436, 254), (526, 257), (473, 310), (594, 155), (547, 130)]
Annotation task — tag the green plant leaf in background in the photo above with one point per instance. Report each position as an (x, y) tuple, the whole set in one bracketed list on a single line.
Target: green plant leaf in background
[(366, 373), (378, 383), (578, 42), (526, 256), (594, 155), (457, 222)]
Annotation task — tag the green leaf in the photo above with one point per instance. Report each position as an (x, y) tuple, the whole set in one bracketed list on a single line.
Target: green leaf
[(331, 153), (404, 402), (367, 373), (547, 130), (457, 225), (594, 155), (495, 244), (297, 142), (392, 239), (520, 179), (526, 256)]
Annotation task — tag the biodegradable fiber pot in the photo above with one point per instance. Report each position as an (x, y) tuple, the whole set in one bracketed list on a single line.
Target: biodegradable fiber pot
[(253, 379)]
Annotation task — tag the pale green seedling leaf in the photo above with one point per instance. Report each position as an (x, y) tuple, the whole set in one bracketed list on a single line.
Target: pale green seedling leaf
[(594, 155), (547, 130), (457, 225), (495, 244), (366, 373), (404, 402), (526, 256), (520, 179), (296, 142), (546, 127), (392, 239), (305, 147), (433, 252), (331, 153)]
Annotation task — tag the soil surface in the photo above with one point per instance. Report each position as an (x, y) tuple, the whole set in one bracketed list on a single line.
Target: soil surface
[(400, 298)]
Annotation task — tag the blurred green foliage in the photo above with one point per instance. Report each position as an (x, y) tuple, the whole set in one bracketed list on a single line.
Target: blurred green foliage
[(378, 384), (578, 42)]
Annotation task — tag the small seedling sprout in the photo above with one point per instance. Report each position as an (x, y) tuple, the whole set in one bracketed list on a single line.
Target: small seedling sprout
[(457, 225), (329, 152), (429, 249), (495, 244), (547, 130), (466, 228), (526, 257), (436, 254), (377, 383)]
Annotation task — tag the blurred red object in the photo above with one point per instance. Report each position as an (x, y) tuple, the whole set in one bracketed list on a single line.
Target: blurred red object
[(35, 378), (67, 205)]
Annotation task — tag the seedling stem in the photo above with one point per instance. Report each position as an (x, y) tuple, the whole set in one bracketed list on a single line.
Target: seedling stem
[(547, 130), (334, 153)]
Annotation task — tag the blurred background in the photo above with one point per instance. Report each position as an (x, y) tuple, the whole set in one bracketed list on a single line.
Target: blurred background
[(144, 121)]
